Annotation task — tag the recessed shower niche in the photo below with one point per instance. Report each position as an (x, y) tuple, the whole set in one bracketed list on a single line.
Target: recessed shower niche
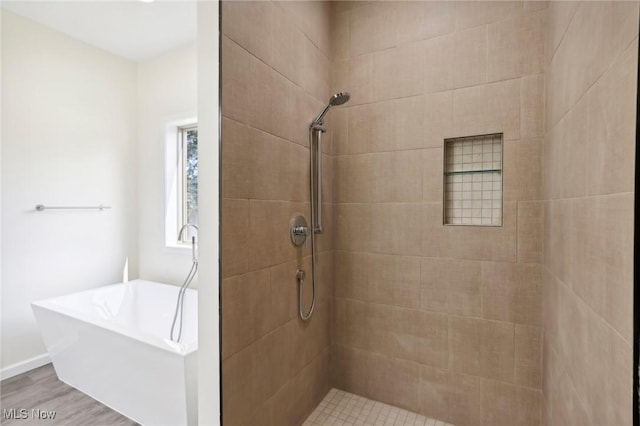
[(473, 180)]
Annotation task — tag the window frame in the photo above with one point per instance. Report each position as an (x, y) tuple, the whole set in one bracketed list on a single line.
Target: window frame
[(181, 199), (174, 179)]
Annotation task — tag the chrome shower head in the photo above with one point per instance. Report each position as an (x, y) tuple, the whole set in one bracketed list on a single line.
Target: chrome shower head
[(337, 99)]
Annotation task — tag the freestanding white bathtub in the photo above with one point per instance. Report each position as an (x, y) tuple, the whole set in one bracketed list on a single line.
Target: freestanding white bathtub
[(112, 343)]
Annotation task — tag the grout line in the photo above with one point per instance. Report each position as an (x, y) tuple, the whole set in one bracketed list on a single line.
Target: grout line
[(602, 319), (452, 90), (515, 358), (516, 227), (420, 257), (584, 197), (573, 386), (253, 55), (553, 54), (449, 315), (242, 123), (571, 107), (294, 22)]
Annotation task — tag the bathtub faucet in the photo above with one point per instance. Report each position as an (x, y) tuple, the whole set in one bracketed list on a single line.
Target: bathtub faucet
[(193, 239)]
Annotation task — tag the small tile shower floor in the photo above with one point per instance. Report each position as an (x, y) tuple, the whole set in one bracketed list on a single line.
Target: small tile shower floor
[(346, 409)]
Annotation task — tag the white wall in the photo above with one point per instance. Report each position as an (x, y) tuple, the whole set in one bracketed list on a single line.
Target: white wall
[(1, 299), (167, 91), (68, 138), (208, 205)]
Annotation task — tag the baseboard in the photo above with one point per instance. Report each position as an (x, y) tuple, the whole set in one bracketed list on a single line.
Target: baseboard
[(24, 366)]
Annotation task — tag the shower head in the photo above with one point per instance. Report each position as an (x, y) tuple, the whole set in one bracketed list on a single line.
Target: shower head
[(337, 99)]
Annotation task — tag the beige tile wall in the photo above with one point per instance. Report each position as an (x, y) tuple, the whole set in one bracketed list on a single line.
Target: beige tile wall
[(588, 173), (470, 325), (275, 75), (441, 320)]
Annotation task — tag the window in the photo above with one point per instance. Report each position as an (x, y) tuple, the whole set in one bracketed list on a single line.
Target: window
[(188, 188), (181, 180), (473, 180)]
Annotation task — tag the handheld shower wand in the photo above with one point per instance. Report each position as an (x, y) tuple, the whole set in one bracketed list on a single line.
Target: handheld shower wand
[(336, 100), (193, 239)]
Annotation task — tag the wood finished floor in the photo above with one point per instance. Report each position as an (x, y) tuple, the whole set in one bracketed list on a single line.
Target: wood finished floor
[(41, 389)]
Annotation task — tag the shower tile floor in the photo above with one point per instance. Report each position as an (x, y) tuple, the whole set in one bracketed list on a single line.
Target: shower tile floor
[(344, 408)]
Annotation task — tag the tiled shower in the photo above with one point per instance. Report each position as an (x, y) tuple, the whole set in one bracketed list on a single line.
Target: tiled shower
[(526, 321)]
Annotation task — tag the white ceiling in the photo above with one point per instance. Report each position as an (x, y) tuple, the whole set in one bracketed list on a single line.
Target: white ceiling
[(132, 29)]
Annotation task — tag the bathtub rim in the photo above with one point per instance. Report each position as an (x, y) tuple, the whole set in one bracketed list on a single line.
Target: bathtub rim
[(182, 349)]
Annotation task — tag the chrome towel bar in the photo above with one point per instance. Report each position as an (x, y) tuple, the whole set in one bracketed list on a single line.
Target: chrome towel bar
[(42, 207)]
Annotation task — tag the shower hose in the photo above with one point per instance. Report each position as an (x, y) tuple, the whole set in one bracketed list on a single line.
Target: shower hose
[(180, 302)]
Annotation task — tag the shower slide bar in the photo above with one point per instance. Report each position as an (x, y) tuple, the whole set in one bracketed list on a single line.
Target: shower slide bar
[(315, 191), (315, 158), (42, 207)]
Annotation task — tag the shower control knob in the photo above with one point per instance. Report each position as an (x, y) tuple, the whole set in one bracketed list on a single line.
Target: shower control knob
[(298, 230)]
